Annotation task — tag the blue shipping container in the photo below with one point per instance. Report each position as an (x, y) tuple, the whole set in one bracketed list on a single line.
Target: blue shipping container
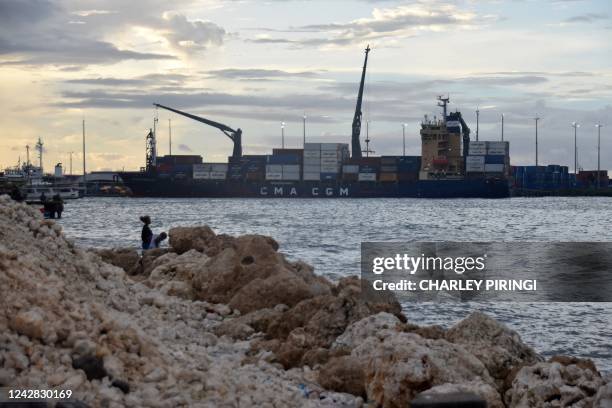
[(284, 159), (495, 159)]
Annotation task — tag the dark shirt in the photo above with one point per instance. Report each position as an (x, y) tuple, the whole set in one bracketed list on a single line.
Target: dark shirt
[(146, 235)]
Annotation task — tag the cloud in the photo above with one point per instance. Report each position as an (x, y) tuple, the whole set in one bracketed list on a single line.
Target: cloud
[(385, 23), (170, 80), (586, 18), (185, 34), (44, 32), (184, 148), (258, 74)]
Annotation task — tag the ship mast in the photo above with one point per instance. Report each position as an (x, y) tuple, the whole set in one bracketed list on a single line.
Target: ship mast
[(355, 143)]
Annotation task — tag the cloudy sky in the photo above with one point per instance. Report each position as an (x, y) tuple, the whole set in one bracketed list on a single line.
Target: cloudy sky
[(254, 64)]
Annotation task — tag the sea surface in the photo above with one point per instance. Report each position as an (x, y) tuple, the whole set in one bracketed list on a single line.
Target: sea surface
[(327, 234)]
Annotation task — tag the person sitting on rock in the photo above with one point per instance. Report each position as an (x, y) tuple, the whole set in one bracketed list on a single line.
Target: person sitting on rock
[(157, 240), (146, 234)]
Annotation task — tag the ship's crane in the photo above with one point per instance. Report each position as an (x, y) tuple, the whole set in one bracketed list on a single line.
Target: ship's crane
[(234, 135), (355, 143)]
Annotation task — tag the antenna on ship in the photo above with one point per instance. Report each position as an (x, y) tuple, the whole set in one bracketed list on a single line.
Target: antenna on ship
[(442, 103), (367, 150), (39, 147)]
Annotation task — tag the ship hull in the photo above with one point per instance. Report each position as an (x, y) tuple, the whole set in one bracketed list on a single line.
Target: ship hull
[(149, 185)]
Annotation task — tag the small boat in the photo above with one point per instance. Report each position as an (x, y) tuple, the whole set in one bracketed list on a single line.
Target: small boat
[(33, 192)]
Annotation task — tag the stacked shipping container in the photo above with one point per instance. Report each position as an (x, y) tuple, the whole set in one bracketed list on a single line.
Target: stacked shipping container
[(488, 157)]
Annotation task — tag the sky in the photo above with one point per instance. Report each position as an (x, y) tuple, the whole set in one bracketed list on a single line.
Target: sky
[(255, 64)]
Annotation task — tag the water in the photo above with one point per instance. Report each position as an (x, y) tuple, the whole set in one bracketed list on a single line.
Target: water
[(327, 234)]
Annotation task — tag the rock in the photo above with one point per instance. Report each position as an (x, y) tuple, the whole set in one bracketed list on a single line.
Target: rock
[(343, 374), (499, 348), (476, 387), (202, 239), (30, 323), (127, 259), (603, 398), (122, 385), (380, 325), (557, 382), (93, 366), (404, 364)]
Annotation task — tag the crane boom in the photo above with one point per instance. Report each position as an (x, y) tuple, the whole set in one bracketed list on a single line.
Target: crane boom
[(355, 143), (234, 135)]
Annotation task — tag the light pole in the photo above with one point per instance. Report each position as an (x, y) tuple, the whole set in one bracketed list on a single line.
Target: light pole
[(477, 122), (502, 135), (304, 128), (598, 126), (404, 136), (283, 134), (536, 152), (575, 125)]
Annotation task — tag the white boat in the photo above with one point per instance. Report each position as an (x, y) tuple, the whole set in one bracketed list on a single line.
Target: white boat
[(32, 193)]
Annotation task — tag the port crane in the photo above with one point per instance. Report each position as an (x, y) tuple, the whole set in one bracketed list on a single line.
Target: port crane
[(355, 143), (234, 135)]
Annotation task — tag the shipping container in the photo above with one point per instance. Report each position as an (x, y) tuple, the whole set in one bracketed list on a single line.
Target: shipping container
[(274, 168), (218, 175), (291, 168), (274, 175), (495, 159), (367, 176), (282, 152), (312, 146), (475, 160), (312, 176), (331, 146), (368, 169), (494, 168), (387, 168), (312, 154), (312, 168), (329, 176), (388, 177), (350, 168), (284, 159)]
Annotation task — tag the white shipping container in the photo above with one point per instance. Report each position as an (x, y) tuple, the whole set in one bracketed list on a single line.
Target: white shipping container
[(475, 151), (291, 168), (312, 169), (476, 160), (198, 168), (498, 145), (274, 176), (201, 175), (291, 176), (218, 167), (330, 153), (330, 163), (497, 152), (218, 175), (311, 176), (315, 154), (329, 169), (367, 177), (274, 168), (312, 146), (494, 168), (350, 168), (474, 168), (311, 160), (331, 146), (478, 145)]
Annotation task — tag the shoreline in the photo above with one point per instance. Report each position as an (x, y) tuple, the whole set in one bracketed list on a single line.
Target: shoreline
[(219, 319)]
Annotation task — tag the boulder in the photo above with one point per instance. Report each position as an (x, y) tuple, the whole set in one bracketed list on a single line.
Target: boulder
[(127, 259), (379, 325), (343, 374), (402, 365), (476, 387), (559, 382), (603, 398), (498, 347)]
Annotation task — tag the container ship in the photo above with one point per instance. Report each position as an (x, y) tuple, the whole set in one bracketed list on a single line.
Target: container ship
[(450, 166)]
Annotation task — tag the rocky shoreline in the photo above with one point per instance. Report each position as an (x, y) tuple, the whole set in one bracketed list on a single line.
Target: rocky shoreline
[(221, 321)]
